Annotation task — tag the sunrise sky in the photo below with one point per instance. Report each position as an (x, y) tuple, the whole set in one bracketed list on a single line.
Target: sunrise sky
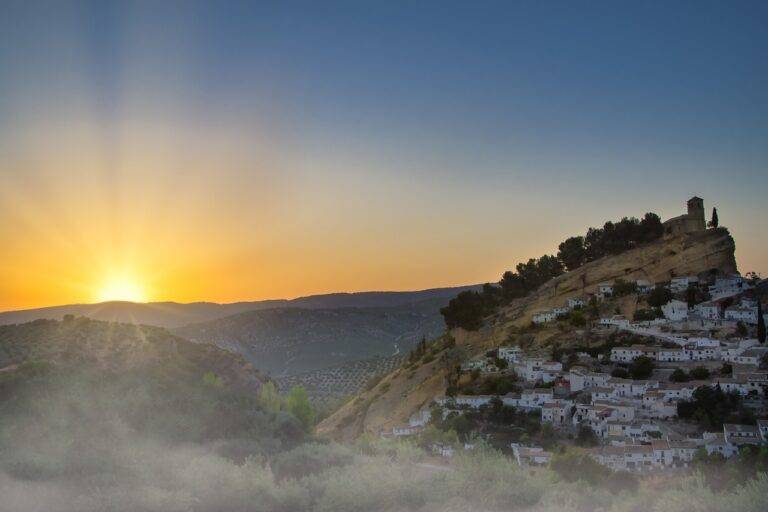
[(231, 151)]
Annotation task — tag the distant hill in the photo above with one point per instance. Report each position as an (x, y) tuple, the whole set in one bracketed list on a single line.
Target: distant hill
[(288, 341), (116, 348), (174, 314), (341, 380)]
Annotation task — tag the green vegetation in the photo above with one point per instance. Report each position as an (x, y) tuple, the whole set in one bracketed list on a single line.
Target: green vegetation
[(468, 309), (622, 288), (641, 368), (659, 296), (711, 407)]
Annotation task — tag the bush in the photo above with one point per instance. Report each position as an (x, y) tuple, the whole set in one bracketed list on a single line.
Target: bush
[(641, 368), (699, 373), (309, 459), (620, 373)]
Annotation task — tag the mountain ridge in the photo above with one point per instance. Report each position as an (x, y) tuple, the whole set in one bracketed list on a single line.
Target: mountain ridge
[(176, 314)]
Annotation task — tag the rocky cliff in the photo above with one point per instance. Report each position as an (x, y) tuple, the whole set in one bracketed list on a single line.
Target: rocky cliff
[(401, 393)]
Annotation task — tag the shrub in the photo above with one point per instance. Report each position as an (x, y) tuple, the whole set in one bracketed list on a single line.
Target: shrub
[(309, 459)]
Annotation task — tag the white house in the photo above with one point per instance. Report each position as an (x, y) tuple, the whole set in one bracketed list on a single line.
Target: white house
[(643, 286), (575, 302), (742, 434), (710, 310), (542, 317), (728, 286), (675, 310), (557, 412), (751, 356), (604, 290), (617, 320), (629, 354), (741, 313), (681, 284), (510, 354), (672, 354), (405, 430), (530, 456)]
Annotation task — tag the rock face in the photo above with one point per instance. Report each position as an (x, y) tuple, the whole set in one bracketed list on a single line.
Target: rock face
[(402, 392), (692, 254)]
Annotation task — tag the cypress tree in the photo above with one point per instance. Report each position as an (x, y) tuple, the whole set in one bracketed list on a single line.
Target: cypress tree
[(714, 222)]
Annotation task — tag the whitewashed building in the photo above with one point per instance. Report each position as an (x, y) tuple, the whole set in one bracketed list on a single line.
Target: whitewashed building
[(681, 284), (675, 310), (542, 317)]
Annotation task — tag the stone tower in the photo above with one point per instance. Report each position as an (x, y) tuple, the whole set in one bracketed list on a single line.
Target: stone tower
[(696, 221)]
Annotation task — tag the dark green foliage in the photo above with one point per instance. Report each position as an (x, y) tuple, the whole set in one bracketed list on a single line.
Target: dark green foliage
[(679, 376), (586, 437), (622, 287), (615, 238), (711, 407), (641, 368), (577, 319), (741, 329), (699, 373), (620, 373), (646, 315), (715, 222), (572, 253), (726, 369), (466, 310), (659, 296)]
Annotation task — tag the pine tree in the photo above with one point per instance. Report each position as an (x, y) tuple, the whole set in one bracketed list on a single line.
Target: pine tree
[(714, 222), (760, 322)]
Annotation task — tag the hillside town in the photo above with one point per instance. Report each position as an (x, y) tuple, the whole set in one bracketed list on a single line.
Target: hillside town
[(696, 337)]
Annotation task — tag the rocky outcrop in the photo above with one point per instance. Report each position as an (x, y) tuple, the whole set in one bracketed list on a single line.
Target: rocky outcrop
[(402, 392)]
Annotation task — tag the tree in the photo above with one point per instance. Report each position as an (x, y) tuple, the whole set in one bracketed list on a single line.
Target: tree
[(298, 405), (760, 321), (466, 310), (586, 437), (622, 287), (572, 253), (714, 222), (678, 376), (659, 296), (641, 368), (620, 373), (699, 373), (741, 329), (268, 398)]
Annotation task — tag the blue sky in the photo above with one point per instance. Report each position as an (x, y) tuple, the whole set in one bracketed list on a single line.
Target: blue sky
[(534, 119)]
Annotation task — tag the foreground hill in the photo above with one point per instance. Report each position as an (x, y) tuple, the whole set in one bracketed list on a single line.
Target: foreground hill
[(174, 314), (404, 391), (288, 341), (83, 344)]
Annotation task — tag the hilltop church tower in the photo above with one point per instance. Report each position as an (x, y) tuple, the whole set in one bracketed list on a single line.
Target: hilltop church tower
[(696, 221), (687, 223)]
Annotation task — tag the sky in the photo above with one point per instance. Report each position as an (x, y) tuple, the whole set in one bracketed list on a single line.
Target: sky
[(228, 151)]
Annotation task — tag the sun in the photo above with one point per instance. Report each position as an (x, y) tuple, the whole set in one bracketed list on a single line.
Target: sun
[(121, 289)]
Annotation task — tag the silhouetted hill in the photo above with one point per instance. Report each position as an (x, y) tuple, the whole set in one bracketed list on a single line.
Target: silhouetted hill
[(174, 314), (296, 340), (85, 344)]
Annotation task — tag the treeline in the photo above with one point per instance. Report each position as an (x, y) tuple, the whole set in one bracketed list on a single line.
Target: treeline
[(468, 308)]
